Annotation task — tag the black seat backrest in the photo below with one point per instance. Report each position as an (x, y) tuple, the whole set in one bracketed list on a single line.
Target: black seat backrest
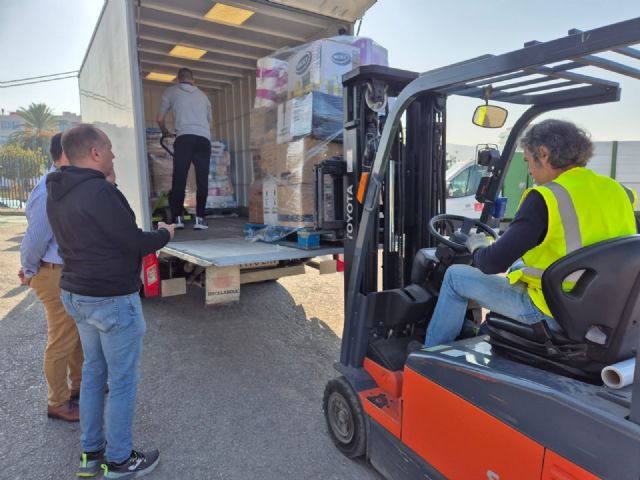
[(606, 296)]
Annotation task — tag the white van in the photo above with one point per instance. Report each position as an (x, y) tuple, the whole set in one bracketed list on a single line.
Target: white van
[(462, 182)]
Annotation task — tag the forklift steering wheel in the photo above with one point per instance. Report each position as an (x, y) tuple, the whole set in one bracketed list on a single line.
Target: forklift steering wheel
[(461, 236)]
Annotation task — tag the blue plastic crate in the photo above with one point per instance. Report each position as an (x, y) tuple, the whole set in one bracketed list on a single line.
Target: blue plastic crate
[(308, 240)]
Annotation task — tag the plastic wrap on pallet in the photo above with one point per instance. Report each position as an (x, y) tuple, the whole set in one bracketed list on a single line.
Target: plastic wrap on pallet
[(316, 114), (160, 162), (267, 233), (262, 126), (303, 155), (269, 160)]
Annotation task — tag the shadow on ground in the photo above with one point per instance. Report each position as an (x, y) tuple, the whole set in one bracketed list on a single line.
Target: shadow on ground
[(230, 392)]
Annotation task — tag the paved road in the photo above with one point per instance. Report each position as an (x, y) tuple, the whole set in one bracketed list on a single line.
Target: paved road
[(226, 393)]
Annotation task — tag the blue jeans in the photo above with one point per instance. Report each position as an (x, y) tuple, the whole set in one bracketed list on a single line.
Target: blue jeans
[(463, 283), (111, 331)]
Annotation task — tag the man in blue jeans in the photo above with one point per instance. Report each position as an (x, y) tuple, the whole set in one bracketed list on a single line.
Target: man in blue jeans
[(571, 207), (102, 249)]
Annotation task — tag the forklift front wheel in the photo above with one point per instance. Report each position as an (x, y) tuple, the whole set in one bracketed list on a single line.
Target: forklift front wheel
[(345, 418)]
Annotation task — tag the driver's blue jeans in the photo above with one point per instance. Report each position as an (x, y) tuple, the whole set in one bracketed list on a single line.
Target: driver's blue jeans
[(463, 283)]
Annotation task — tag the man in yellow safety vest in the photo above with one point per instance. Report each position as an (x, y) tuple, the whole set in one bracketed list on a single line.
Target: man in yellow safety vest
[(571, 207)]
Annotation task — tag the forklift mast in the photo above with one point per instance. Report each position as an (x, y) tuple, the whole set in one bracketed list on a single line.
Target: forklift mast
[(412, 189)]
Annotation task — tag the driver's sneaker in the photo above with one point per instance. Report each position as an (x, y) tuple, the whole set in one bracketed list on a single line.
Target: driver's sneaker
[(137, 465), (179, 224), (200, 224), (90, 464)]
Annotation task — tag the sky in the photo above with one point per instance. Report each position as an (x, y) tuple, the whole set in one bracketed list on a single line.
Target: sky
[(39, 37)]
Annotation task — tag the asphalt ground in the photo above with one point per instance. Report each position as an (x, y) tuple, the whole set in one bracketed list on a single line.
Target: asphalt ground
[(232, 392)]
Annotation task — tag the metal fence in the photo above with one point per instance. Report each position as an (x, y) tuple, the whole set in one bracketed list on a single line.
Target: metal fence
[(18, 175)]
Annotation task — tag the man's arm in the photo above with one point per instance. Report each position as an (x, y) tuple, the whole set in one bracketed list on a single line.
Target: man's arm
[(527, 230), (38, 235), (119, 226), (165, 106)]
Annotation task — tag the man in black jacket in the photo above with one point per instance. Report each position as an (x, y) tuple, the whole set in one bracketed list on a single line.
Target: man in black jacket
[(102, 249)]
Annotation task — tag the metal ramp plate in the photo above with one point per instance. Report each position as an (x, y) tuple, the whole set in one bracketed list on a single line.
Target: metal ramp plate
[(224, 252)]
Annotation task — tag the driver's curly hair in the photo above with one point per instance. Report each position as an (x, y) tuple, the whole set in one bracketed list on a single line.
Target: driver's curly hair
[(568, 145)]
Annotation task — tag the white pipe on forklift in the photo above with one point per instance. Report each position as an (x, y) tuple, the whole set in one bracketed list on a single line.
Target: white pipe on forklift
[(619, 374)]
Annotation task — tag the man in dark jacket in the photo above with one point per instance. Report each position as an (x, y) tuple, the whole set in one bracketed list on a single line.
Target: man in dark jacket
[(102, 249)]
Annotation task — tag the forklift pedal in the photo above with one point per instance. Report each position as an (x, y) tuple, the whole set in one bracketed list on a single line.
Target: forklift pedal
[(379, 401)]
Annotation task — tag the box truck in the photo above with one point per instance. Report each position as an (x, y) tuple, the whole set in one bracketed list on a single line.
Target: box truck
[(136, 49)]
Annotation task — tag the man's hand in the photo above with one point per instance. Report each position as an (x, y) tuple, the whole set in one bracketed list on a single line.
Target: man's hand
[(170, 228), (24, 280), (476, 241), (168, 134)]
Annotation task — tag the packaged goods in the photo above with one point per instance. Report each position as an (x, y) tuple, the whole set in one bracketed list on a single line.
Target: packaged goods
[(302, 155), (316, 114), (256, 206), (295, 205), (269, 161), (297, 123), (270, 201), (318, 66), (271, 81), (369, 52), (262, 126)]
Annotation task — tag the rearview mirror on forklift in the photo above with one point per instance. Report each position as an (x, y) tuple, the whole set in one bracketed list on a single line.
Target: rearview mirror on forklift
[(489, 116)]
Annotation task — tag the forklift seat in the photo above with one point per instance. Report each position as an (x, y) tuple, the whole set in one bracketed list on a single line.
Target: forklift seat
[(600, 316)]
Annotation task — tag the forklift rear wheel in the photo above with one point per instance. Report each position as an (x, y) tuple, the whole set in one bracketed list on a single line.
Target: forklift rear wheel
[(345, 418)]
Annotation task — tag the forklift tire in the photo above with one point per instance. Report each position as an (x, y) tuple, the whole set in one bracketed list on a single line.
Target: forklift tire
[(345, 418)]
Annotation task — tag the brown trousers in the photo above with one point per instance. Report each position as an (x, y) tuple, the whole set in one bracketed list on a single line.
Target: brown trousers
[(63, 355)]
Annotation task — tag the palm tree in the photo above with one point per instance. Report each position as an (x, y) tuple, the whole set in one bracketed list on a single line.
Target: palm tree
[(39, 123)]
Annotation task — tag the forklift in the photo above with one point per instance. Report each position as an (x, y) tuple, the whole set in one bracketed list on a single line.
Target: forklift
[(519, 401)]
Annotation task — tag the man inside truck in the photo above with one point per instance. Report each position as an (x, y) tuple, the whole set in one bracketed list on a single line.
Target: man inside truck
[(192, 119), (571, 207)]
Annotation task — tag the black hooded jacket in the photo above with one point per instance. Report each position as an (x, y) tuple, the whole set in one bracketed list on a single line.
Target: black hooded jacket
[(99, 241)]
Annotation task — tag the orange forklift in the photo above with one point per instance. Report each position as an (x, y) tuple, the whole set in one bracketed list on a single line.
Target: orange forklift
[(518, 401)]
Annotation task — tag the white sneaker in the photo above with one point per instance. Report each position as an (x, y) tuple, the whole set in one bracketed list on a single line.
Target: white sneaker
[(178, 223), (200, 224)]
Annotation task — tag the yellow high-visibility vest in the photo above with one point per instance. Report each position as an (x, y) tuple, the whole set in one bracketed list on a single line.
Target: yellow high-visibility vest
[(583, 208)]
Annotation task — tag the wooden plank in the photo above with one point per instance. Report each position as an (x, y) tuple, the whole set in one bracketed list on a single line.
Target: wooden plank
[(222, 285)]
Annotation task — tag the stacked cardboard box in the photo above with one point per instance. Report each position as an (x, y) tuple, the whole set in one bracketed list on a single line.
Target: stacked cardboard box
[(297, 123)]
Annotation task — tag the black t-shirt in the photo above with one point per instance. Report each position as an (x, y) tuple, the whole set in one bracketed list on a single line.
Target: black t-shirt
[(526, 231)]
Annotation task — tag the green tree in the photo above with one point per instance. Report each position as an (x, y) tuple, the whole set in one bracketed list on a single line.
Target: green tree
[(38, 127), (20, 169)]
